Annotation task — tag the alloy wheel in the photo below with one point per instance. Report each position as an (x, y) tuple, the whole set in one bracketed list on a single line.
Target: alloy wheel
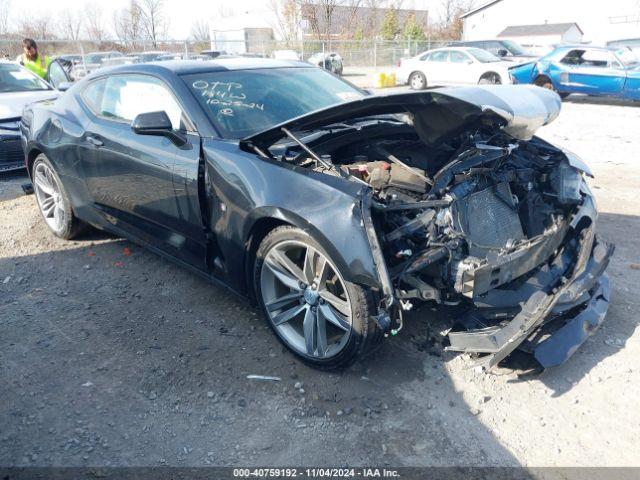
[(417, 82), (49, 197), (306, 299)]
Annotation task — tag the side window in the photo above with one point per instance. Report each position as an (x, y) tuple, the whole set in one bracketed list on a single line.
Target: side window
[(459, 57), (439, 56), (123, 97), (596, 58), (493, 47), (613, 61), (574, 57)]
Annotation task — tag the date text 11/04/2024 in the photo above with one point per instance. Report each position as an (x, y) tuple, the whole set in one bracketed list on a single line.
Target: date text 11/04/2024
[(315, 473)]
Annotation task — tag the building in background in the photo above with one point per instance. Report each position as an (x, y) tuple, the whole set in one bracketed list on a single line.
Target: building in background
[(599, 21), (248, 26)]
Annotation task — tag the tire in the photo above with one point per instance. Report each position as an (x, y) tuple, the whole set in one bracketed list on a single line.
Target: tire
[(417, 81), (545, 82), (53, 200), (490, 79), (298, 310)]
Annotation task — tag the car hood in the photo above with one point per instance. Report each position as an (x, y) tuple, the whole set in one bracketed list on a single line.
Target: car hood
[(11, 104), (436, 114)]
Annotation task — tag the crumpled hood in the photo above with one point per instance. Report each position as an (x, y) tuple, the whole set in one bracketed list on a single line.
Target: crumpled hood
[(437, 114), (525, 107), (11, 104)]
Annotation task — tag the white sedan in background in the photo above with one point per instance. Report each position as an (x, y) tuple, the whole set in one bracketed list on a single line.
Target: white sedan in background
[(453, 66)]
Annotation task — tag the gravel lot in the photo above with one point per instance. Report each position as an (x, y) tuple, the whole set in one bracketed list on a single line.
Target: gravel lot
[(113, 356)]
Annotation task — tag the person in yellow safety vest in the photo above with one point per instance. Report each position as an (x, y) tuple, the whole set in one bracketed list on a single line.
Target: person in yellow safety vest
[(31, 59)]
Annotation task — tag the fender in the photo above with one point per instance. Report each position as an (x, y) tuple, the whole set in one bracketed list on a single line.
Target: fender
[(356, 262)]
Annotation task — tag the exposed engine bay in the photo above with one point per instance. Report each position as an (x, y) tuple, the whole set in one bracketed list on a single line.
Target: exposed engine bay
[(468, 208), (460, 223)]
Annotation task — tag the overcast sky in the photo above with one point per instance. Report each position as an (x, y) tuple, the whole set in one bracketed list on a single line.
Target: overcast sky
[(181, 13)]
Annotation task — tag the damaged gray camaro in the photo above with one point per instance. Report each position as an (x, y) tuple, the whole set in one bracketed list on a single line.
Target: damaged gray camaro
[(463, 206), (336, 211)]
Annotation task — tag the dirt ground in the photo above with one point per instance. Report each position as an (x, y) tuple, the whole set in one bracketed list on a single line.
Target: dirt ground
[(112, 356)]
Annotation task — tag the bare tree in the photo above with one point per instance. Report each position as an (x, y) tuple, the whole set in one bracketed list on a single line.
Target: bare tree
[(201, 35), (70, 24), (200, 31), (128, 25), (287, 18), (153, 20), (36, 25), (95, 24), (321, 16), (5, 7), (450, 21)]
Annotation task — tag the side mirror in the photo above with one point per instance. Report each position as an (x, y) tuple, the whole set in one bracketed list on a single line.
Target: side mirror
[(502, 52), (64, 86), (157, 124), (469, 62)]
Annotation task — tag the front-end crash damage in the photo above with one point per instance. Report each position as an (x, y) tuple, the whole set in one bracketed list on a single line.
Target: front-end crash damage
[(462, 205)]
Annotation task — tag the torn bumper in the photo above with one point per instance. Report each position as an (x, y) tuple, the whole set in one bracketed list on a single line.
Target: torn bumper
[(565, 341), (579, 305)]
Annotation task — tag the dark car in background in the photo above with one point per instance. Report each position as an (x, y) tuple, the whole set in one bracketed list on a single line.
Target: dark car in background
[(331, 61), (505, 49), (18, 88), (337, 211)]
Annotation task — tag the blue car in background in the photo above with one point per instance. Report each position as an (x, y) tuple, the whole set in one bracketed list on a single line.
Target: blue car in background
[(586, 70)]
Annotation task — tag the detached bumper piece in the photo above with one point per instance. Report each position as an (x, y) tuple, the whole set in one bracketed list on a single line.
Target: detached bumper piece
[(572, 312)]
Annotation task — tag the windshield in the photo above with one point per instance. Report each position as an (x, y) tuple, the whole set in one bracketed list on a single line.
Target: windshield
[(514, 48), (244, 102), (483, 56), (627, 57), (14, 78)]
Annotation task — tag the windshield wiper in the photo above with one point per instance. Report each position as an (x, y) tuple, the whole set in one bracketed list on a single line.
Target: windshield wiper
[(319, 159)]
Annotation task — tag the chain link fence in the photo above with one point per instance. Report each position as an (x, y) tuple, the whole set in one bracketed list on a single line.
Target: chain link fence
[(90, 55)]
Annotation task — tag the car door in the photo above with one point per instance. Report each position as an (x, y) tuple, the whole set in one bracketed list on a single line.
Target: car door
[(461, 68), (57, 74), (437, 68), (597, 72), (145, 185)]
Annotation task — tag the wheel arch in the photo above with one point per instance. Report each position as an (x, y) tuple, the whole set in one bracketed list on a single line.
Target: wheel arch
[(541, 79), (31, 156), (490, 73), (265, 219)]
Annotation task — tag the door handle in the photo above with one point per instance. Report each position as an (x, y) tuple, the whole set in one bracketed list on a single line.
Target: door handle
[(95, 141)]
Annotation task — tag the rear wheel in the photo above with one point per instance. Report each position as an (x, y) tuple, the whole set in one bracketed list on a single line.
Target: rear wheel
[(417, 81), (490, 79), (53, 201), (314, 312)]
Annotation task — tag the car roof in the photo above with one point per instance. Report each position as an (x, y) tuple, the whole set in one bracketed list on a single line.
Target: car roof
[(185, 67), (584, 47), (461, 49)]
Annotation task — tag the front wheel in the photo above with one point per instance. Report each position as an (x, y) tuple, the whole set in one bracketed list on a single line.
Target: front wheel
[(417, 81), (545, 82), (53, 201), (323, 319)]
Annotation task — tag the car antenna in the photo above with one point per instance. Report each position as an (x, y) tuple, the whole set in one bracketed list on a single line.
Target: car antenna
[(318, 158)]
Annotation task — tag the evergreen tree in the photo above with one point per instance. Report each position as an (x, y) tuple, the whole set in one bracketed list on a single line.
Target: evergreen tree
[(412, 30), (389, 28)]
